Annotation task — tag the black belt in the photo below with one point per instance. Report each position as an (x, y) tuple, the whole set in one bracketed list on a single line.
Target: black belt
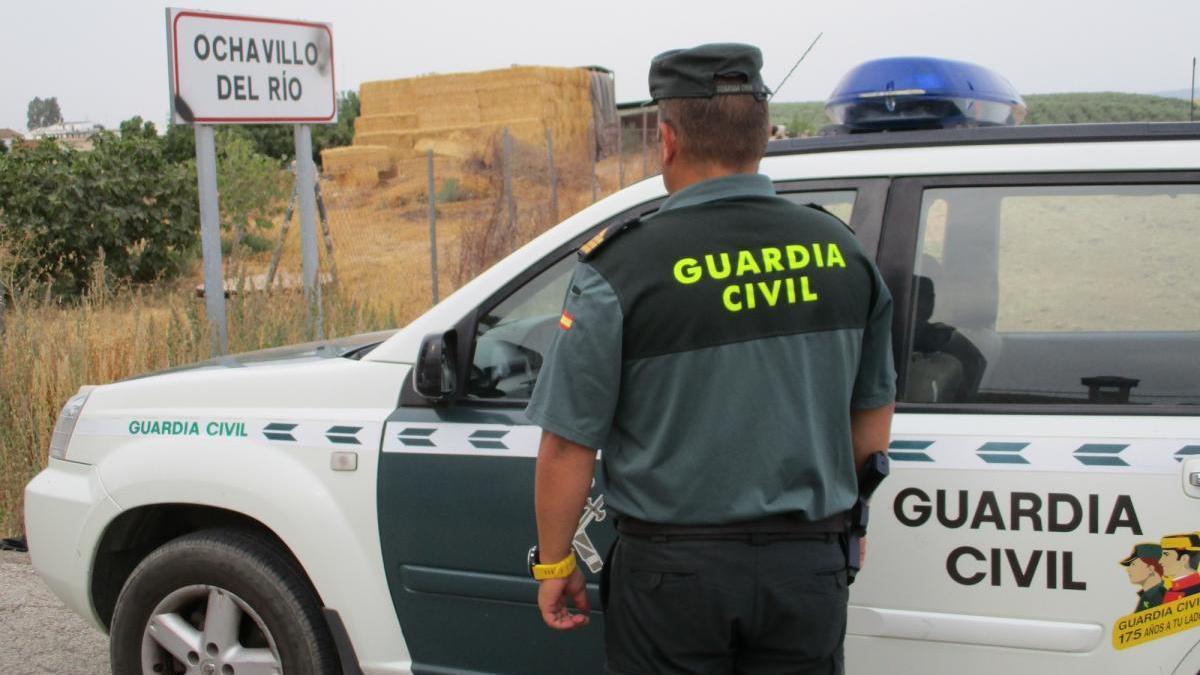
[(771, 528)]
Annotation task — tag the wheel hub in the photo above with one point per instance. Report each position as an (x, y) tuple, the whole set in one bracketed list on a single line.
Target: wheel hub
[(207, 630)]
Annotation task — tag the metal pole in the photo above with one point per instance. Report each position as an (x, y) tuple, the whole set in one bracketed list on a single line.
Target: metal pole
[(1192, 101), (592, 136), (306, 176), (433, 271), (323, 215), (210, 238), (644, 169), (508, 182), (283, 233), (620, 154), (553, 176)]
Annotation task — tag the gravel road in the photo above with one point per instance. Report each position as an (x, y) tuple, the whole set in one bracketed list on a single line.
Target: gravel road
[(38, 634)]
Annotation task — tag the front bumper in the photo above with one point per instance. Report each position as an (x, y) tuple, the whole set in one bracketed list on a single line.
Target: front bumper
[(66, 510)]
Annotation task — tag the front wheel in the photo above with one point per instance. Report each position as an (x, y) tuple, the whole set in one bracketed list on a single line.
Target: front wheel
[(219, 602)]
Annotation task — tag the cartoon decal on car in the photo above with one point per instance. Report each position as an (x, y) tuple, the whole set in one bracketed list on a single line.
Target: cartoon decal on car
[(1168, 590)]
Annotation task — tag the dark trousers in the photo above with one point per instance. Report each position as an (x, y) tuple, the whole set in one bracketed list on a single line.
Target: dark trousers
[(705, 607)]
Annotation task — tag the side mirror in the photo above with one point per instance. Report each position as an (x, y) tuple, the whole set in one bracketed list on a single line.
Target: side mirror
[(436, 373)]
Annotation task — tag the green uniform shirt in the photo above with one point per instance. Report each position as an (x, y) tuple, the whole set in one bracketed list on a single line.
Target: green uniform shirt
[(1150, 598), (714, 353)]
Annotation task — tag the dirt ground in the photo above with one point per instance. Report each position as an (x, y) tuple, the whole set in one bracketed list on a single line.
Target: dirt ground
[(38, 634)]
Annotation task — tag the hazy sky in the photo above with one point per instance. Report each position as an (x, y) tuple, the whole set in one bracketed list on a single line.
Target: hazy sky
[(106, 60)]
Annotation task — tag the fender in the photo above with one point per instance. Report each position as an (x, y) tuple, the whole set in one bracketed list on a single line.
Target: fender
[(327, 519)]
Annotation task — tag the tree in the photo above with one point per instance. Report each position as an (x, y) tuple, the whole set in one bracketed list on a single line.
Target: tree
[(135, 126), (43, 112), (253, 187), (122, 203)]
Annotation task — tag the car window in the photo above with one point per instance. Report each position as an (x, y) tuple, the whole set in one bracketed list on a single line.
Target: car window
[(511, 339), (838, 202), (1057, 294)]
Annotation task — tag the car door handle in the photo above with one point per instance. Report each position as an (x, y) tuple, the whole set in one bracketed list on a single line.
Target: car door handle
[(1191, 477)]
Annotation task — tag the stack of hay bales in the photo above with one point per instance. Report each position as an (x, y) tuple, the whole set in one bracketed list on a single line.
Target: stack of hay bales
[(459, 115)]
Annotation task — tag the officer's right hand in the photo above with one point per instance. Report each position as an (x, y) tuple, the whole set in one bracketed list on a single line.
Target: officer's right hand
[(552, 601)]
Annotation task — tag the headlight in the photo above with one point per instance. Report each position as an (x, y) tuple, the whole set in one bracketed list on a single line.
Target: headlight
[(65, 426)]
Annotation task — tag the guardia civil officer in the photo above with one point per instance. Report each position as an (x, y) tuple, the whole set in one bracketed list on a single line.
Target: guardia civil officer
[(731, 355)]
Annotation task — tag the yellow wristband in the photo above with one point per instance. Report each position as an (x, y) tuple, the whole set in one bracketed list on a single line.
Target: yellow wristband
[(559, 570)]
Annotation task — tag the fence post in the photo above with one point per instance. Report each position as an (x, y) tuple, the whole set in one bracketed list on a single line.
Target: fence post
[(620, 155), (323, 216), (644, 169), (433, 267), (508, 181), (553, 176)]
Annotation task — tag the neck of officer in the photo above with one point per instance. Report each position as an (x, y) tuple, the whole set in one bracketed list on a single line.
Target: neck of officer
[(682, 172)]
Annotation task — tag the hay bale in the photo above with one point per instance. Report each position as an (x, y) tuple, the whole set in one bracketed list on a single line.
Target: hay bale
[(459, 115), (361, 160), (384, 122)]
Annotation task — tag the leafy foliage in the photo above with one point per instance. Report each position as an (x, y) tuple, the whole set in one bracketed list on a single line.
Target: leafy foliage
[(251, 185), (63, 212), (1103, 107), (809, 117), (135, 126), (276, 140), (42, 112)]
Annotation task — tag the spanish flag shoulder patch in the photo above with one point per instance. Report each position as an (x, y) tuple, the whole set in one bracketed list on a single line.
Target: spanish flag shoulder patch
[(566, 320)]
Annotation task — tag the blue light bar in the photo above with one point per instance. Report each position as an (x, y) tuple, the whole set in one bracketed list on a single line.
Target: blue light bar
[(922, 93)]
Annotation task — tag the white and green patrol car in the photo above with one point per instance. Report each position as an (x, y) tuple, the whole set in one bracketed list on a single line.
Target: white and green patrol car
[(365, 505)]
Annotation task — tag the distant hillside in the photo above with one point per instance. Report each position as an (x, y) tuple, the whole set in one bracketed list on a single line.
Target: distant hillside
[(1043, 109)]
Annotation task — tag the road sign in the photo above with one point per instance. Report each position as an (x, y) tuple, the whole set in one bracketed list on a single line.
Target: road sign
[(228, 69)]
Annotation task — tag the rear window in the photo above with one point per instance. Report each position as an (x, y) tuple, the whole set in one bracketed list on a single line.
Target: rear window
[(1058, 294)]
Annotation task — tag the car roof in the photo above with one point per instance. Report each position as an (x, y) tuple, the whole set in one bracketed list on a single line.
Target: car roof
[(1035, 149)]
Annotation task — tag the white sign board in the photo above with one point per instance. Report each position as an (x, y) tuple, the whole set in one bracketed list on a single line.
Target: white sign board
[(227, 69)]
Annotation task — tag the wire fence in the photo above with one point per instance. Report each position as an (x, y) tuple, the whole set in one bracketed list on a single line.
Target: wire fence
[(408, 239)]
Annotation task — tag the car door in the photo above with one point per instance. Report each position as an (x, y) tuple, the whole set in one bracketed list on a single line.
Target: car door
[(456, 480), (1047, 438)]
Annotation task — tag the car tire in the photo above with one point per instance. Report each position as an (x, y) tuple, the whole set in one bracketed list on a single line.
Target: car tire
[(219, 602)]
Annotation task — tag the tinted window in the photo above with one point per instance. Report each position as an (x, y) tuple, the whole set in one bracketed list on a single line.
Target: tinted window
[(512, 338), (1060, 294), (838, 202)]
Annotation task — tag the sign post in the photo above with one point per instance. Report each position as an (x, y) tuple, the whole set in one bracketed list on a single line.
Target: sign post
[(228, 69), (210, 238)]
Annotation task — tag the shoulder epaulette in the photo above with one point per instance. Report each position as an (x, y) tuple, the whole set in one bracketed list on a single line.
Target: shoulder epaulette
[(593, 245)]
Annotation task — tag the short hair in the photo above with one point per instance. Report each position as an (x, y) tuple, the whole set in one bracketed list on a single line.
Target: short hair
[(728, 129)]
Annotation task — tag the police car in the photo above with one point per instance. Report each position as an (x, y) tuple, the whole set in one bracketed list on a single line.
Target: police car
[(365, 505)]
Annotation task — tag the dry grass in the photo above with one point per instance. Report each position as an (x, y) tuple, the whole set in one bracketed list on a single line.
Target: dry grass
[(381, 237)]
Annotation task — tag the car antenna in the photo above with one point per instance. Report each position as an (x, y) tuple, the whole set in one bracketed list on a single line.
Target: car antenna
[(796, 65)]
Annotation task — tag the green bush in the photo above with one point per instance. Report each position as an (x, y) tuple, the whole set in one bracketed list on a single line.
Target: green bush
[(252, 186), (275, 140), (122, 203), (451, 191)]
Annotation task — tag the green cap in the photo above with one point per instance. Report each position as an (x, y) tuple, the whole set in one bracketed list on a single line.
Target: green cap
[(1146, 550), (692, 73)]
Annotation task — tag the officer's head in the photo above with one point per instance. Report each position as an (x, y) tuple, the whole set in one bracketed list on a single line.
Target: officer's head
[(1143, 562), (1180, 554), (712, 108)]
